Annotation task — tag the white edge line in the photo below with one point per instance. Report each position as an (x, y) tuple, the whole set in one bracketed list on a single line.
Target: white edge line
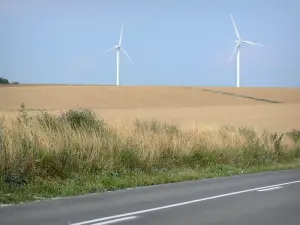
[(270, 189), (181, 204), (116, 220)]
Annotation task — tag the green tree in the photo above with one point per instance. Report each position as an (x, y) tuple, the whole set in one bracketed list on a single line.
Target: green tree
[(3, 81)]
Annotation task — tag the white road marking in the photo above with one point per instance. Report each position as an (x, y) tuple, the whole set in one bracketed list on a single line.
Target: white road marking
[(116, 220), (181, 204), (270, 189)]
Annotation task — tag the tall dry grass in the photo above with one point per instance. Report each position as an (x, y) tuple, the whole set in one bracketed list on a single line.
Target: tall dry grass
[(77, 143)]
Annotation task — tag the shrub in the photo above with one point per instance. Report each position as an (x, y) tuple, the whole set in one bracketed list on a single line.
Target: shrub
[(83, 119)]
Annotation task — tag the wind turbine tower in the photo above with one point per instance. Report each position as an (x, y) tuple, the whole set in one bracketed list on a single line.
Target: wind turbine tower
[(118, 47), (239, 42)]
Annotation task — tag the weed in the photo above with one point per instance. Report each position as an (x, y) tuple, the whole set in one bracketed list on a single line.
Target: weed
[(77, 145)]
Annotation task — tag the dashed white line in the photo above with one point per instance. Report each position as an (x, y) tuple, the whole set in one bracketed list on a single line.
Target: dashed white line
[(181, 204), (270, 189), (116, 220)]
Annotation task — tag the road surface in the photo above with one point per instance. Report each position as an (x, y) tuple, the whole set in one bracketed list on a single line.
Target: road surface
[(271, 198)]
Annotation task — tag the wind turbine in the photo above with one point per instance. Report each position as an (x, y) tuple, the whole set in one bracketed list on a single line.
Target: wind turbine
[(118, 47), (237, 51)]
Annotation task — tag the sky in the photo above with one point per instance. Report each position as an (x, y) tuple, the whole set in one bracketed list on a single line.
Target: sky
[(170, 42)]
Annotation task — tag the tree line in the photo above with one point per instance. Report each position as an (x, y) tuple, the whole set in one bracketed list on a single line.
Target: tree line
[(6, 81)]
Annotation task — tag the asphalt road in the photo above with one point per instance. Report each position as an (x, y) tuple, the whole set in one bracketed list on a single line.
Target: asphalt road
[(271, 198)]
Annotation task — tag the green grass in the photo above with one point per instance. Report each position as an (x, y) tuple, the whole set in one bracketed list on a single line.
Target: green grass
[(47, 155)]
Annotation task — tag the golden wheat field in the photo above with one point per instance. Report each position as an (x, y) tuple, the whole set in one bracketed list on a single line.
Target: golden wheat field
[(275, 109)]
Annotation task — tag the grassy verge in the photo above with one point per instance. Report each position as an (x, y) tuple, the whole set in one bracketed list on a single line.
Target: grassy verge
[(75, 153)]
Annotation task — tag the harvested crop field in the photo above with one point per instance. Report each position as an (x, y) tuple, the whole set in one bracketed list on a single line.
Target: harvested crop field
[(275, 109), (76, 153)]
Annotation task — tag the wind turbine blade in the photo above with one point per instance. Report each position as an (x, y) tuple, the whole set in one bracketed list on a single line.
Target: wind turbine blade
[(236, 31), (120, 40), (110, 49), (235, 49), (127, 55), (253, 43)]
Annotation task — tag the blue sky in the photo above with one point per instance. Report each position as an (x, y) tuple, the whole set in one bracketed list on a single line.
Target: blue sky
[(170, 42)]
